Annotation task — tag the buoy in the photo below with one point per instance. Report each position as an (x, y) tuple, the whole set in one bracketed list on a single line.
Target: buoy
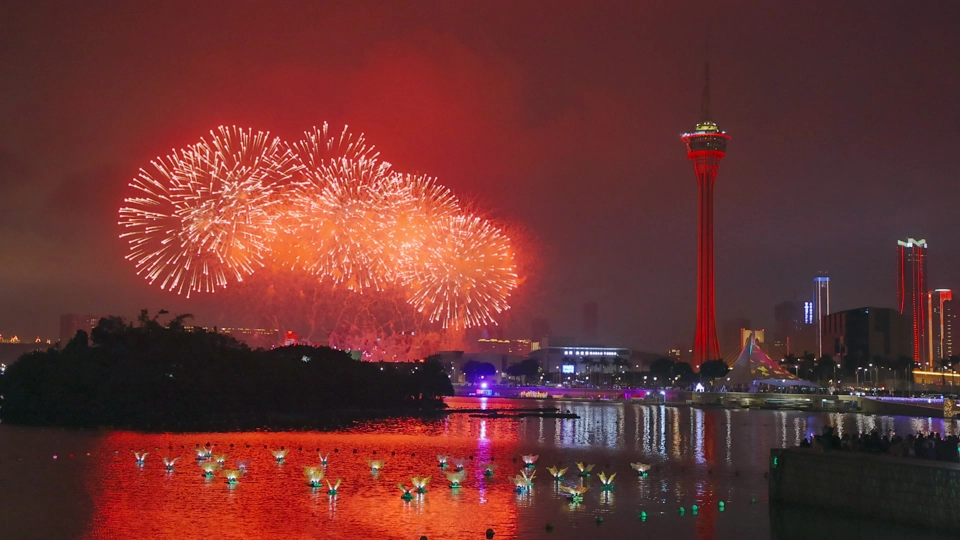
[(549, 527), (599, 520), (643, 515), (753, 501), (489, 533), (682, 511), (720, 505), (695, 509)]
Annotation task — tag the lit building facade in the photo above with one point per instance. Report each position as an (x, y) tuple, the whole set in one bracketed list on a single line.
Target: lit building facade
[(821, 307), (912, 291), (505, 346), (940, 320), (570, 359)]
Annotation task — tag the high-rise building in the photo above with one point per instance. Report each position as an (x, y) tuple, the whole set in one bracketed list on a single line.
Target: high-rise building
[(912, 291), (591, 320), (940, 319), (866, 335), (706, 146), (821, 307), (71, 323)]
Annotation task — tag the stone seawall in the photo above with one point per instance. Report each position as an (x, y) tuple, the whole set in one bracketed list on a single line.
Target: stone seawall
[(902, 490)]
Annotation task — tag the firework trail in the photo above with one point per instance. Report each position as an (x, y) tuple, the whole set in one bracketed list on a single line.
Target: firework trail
[(204, 215)]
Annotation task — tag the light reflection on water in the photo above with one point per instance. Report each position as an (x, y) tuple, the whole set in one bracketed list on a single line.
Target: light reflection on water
[(699, 456)]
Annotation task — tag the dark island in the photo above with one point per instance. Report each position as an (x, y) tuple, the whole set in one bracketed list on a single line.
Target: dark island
[(148, 376)]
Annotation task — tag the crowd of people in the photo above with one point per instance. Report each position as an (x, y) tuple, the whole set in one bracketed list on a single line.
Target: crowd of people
[(930, 446)]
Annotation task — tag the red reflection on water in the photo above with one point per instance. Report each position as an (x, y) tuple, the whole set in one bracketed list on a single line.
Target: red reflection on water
[(274, 501)]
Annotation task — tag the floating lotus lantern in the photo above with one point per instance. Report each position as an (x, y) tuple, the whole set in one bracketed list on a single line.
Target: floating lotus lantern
[(523, 481), (141, 457), (557, 474), (488, 469), (641, 468), (232, 476), (406, 492), (585, 469), (324, 459), (332, 488), (168, 463), (459, 463), (455, 478), (209, 468), (279, 454), (606, 482), (376, 465), (529, 461), (574, 493), (443, 460), (314, 476), (203, 452), (243, 466), (220, 458), (420, 484)]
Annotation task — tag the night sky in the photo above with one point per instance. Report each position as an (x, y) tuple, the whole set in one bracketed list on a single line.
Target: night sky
[(562, 118)]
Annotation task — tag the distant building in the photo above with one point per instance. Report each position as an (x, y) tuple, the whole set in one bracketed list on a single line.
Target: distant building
[(940, 320), (792, 334), (867, 335), (821, 307), (591, 321), (539, 330), (912, 291), (505, 346), (253, 337), (71, 323), (570, 359)]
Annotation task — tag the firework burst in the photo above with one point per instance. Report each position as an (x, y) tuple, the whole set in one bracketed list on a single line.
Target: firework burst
[(204, 215), (466, 274)]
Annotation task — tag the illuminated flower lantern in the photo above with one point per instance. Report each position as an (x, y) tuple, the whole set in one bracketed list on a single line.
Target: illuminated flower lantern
[(141, 457), (314, 476), (406, 492), (606, 481), (530, 461), (641, 468), (557, 474), (488, 469), (209, 468), (574, 493), (420, 484), (220, 458), (459, 463), (203, 452), (332, 488), (455, 478), (376, 465), (168, 463), (242, 466), (324, 459), (280, 454), (523, 482), (443, 460), (232, 476), (585, 469)]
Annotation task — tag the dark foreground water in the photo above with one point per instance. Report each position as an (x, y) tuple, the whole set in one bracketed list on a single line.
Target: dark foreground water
[(94, 488)]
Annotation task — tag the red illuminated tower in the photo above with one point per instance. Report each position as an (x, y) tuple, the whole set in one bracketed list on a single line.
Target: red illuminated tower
[(912, 292), (706, 146)]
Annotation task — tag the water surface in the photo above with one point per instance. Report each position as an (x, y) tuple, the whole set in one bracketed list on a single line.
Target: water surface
[(94, 489)]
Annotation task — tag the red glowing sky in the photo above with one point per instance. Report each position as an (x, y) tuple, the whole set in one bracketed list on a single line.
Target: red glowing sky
[(563, 117)]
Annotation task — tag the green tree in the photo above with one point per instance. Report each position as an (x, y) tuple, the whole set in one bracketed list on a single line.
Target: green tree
[(714, 368)]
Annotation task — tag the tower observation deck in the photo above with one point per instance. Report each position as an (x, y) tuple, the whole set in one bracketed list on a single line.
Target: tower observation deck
[(706, 146)]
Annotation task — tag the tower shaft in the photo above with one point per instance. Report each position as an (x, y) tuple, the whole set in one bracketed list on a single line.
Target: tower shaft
[(706, 345)]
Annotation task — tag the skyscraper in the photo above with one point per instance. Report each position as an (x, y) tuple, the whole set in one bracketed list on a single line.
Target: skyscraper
[(706, 146), (591, 320), (912, 290), (939, 325), (821, 307)]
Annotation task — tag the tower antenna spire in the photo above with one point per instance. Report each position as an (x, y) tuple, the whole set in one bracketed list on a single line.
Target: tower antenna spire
[(705, 103)]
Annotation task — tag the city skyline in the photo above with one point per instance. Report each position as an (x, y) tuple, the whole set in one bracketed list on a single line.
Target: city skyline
[(563, 124)]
